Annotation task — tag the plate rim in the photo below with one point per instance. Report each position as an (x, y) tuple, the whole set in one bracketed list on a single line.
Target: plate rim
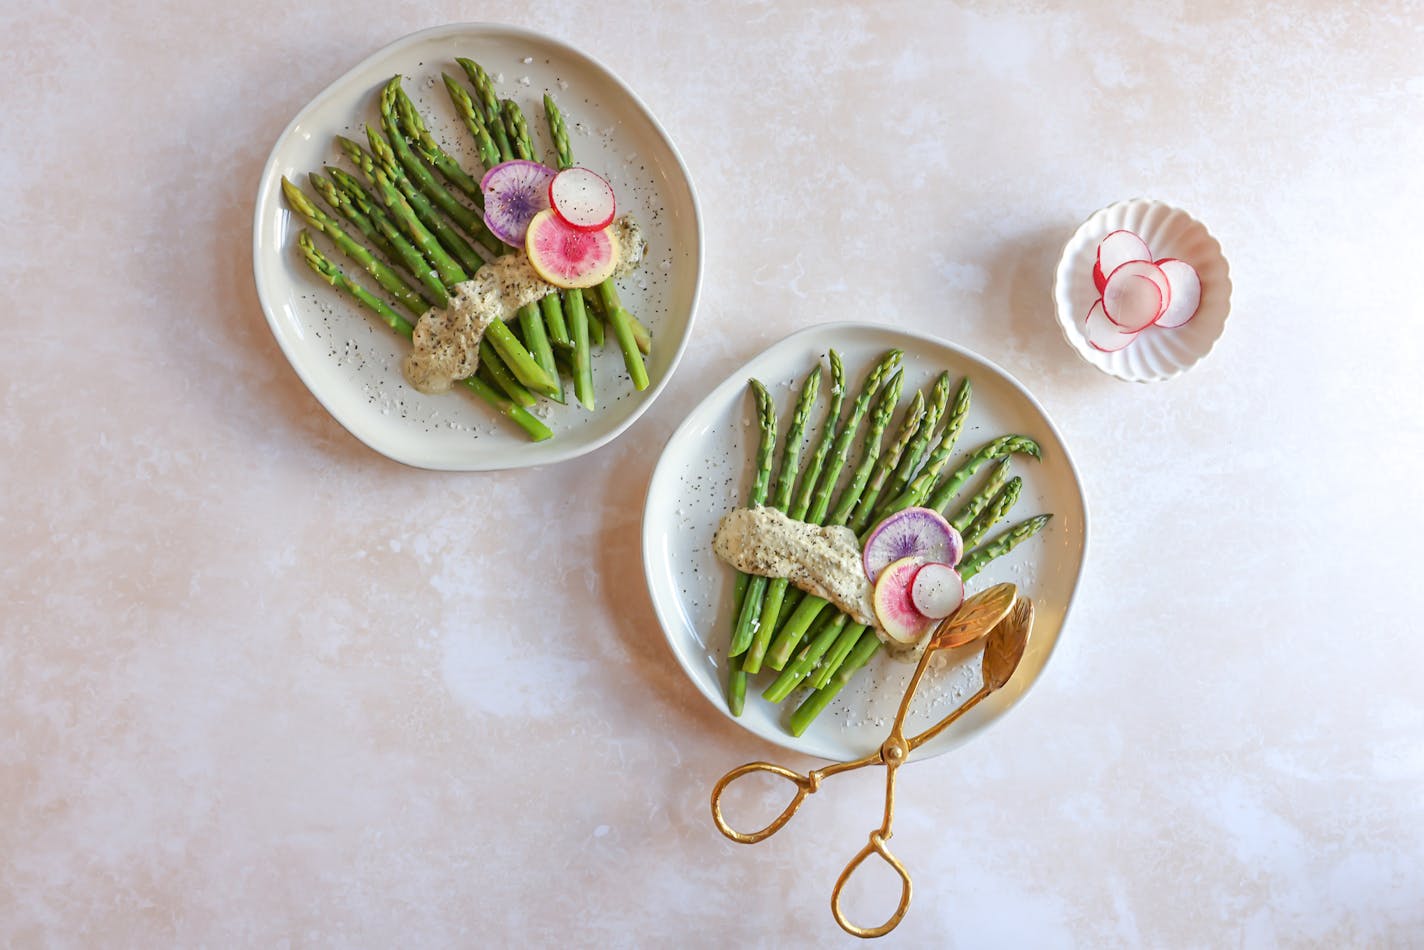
[(785, 739), (552, 455), (1062, 304)]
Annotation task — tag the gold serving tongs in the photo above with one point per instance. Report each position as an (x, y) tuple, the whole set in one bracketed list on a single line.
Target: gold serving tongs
[(1008, 621)]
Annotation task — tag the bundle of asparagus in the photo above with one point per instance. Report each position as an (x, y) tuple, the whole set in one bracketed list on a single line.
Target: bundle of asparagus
[(771, 621), (422, 240)]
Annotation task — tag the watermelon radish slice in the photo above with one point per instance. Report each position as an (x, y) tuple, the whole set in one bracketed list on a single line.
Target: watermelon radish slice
[(1185, 285), (894, 609), (1135, 295), (567, 257), (936, 590), (918, 532), (1103, 334), (583, 199), (514, 193), (1115, 250)]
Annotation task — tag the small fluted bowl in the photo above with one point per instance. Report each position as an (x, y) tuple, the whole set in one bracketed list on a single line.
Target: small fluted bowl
[(1157, 353)]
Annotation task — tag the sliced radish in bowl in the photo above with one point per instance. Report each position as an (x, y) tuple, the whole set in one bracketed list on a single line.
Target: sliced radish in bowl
[(584, 199), (1186, 292), (918, 532), (1135, 295), (1103, 334), (514, 193), (936, 590), (567, 257), (894, 609), (1115, 250)]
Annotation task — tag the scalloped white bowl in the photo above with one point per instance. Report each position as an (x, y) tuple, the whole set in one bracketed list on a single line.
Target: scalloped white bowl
[(1157, 354)]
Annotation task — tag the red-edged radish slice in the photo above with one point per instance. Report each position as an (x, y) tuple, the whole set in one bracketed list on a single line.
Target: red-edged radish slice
[(1186, 292), (1099, 279), (1135, 295), (583, 199), (1117, 249), (515, 192), (921, 532), (936, 590), (567, 257), (894, 609), (1103, 334)]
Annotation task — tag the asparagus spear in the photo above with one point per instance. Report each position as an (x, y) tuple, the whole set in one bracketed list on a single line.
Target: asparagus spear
[(319, 220), (909, 425), (425, 145), (578, 313), (989, 452), (746, 630), (1005, 542), (980, 499), (489, 105), (766, 422), (868, 644), (949, 435), (776, 588), (474, 121), (329, 272), (919, 445), (518, 130), (995, 512), (342, 204)]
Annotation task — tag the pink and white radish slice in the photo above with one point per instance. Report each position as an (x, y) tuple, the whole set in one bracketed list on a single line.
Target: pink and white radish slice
[(1103, 334), (567, 257), (514, 193), (936, 590), (1135, 295), (1185, 287), (918, 532), (1115, 250), (894, 610), (583, 199)]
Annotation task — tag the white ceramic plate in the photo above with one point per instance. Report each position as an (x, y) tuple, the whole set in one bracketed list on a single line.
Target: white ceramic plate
[(351, 363), (705, 470), (1157, 354)]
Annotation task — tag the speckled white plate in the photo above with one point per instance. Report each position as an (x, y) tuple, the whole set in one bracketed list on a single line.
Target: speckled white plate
[(351, 363), (1157, 353), (705, 470)]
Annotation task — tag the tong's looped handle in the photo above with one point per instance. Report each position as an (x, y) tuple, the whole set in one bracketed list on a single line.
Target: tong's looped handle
[(876, 846), (805, 785)]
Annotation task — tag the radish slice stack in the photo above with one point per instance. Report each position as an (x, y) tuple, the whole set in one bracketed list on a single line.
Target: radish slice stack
[(1136, 292), (910, 557)]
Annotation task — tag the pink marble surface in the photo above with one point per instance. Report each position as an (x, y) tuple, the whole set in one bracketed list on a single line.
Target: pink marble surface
[(260, 686)]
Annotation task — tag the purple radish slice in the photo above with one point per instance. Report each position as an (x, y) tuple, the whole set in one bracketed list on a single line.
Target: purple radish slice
[(1182, 278), (1117, 249), (583, 199), (515, 192), (1103, 334), (936, 590), (917, 532), (567, 257), (894, 609), (1133, 300)]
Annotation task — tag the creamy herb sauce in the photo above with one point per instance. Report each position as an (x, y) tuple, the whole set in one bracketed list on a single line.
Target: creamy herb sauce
[(821, 560), (447, 340)]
